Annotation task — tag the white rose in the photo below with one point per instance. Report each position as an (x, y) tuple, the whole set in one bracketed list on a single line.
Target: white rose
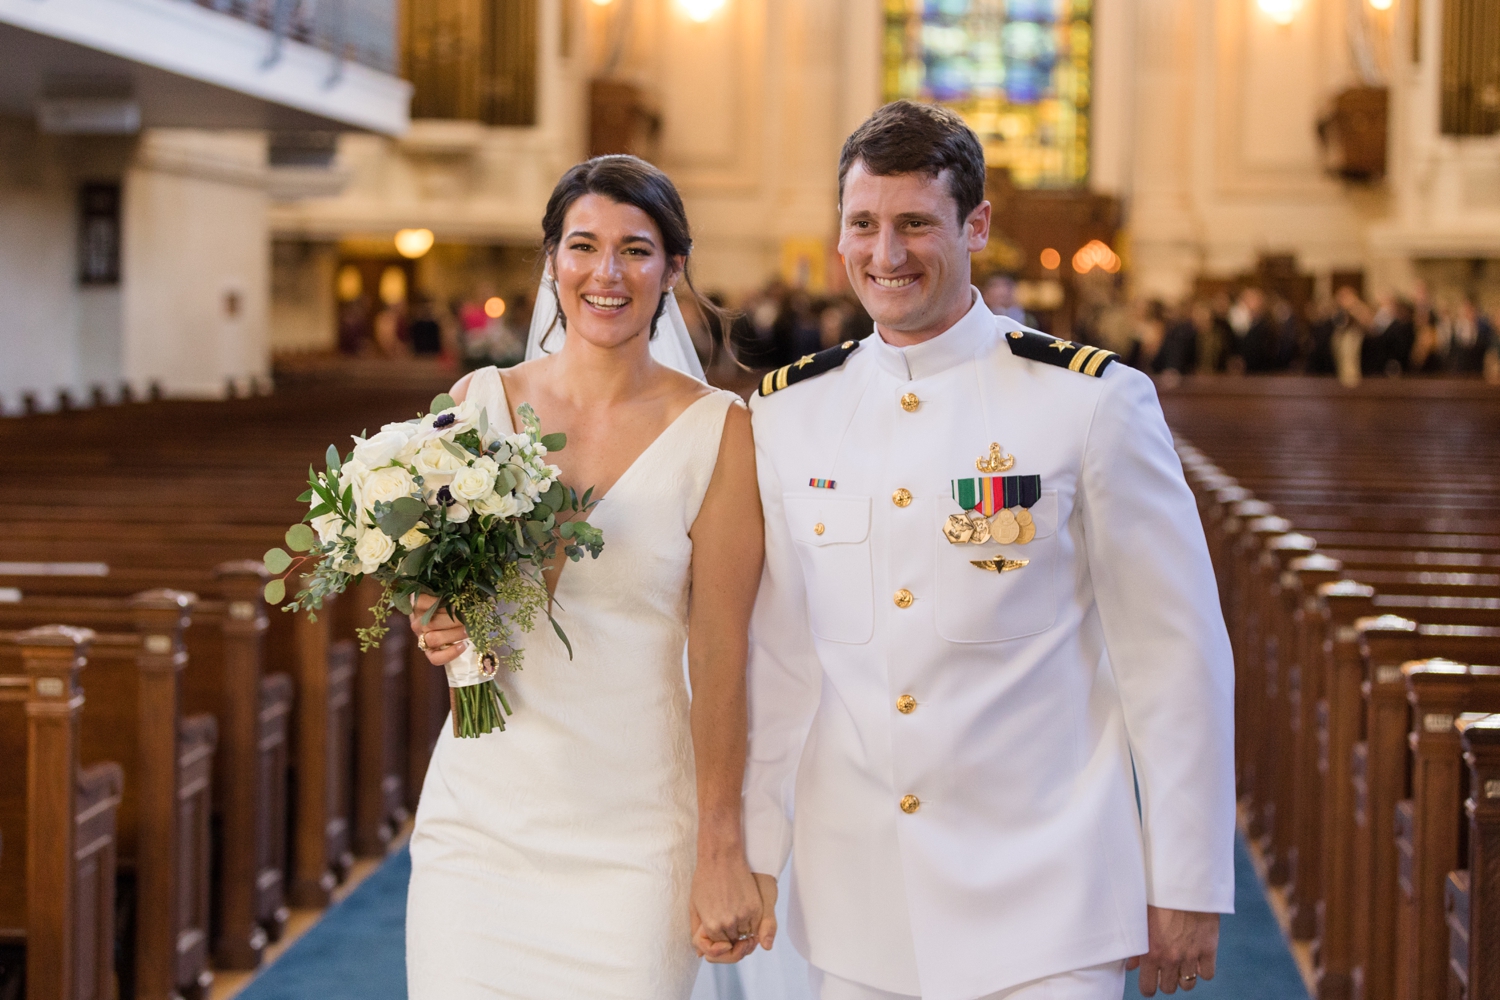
[(458, 513), (373, 549), (413, 539), (354, 473), (473, 483), (381, 449), (434, 458), (498, 505), (385, 485), (328, 526)]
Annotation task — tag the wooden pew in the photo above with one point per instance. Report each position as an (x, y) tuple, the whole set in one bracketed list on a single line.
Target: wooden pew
[(1381, 779), (223, 679), (1473, 893), (57, 867), (1429, 831)]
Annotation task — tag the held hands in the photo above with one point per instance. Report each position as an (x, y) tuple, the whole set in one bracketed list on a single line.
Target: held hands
[(732, 910), (443, 638), (1183, 945)]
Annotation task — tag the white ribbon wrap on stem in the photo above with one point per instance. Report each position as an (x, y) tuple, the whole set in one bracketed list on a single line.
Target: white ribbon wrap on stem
[(465, 669)]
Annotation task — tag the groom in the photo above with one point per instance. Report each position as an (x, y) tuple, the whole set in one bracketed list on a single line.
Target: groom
[(990, 685)]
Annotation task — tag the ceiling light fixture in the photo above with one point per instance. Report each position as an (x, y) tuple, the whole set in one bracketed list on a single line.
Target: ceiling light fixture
[(413, 243), (1280, 11), (701, 10)]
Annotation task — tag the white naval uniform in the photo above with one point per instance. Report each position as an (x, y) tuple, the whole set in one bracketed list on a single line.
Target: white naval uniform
[(1035, 689)]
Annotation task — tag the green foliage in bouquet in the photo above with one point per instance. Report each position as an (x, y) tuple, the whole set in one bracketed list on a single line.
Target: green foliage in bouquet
[(442, 506)]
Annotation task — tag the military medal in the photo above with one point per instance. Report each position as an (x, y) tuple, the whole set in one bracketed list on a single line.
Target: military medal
[(1004, 499), (1027, 525), (1005, 529), (958, 529)]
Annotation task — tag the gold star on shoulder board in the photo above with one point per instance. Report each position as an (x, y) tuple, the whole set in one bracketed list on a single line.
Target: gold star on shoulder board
[(1061, 345), (803, 361)]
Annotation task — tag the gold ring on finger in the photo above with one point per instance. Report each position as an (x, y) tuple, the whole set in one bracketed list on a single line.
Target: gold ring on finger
[(1187, 978), (422, 641)]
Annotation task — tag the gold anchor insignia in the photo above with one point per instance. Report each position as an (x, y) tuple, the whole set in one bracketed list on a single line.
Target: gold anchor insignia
[(997, 461), (803, 361), (999, 564)]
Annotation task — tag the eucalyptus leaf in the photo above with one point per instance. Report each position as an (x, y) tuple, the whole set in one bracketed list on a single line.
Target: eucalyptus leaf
[(456, 451), (300, 538), (566, 530), (442, 401), (277, 561), (427, 615), (507, 480), (402, 602), (334, 465), (484, 421), (561, 635), (275, 591), (395, 523), (556, 495), (537, 532), (412, 564), (555, 442)]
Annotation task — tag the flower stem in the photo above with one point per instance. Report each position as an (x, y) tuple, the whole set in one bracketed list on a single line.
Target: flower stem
[(478, 709)]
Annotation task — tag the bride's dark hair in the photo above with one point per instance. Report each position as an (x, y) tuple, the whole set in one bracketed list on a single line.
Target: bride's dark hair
[(629, 180)]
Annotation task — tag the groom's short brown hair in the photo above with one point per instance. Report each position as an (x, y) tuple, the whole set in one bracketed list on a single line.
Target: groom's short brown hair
[(905, 137)]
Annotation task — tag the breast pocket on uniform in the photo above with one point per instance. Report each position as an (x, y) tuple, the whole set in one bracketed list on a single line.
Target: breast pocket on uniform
[(980, 605), (832, 535)]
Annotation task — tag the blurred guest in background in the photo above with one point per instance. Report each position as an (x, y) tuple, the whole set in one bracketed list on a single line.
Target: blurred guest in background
[(1000, 295)]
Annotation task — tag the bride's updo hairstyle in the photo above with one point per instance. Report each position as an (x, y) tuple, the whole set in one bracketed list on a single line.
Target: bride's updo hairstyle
[(629, 180)]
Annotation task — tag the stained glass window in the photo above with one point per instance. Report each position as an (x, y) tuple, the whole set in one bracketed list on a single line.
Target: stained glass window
[(1017, 70)]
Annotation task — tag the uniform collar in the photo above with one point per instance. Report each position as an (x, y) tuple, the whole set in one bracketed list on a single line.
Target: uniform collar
[(955, 345)]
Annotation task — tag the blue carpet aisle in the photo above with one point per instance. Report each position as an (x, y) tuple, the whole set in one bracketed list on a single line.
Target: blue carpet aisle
[(356, 952)]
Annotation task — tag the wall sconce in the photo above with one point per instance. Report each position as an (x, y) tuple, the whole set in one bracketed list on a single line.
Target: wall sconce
[(413, 243), (1381, 4), (700, 10), (1280, 11)]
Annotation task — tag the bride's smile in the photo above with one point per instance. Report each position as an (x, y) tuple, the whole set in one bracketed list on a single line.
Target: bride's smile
[(611, 271)]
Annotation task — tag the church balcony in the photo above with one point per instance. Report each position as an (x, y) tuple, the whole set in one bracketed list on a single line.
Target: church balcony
[(109, 66)]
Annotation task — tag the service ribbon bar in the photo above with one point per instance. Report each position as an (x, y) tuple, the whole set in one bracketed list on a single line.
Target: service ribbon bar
[(988, 494), (821, 484)]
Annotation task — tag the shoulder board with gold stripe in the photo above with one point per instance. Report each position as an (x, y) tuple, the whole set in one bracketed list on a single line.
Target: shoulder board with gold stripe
[(806, 367), (1063, 353)]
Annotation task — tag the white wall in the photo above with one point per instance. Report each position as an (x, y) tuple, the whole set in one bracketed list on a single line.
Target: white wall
[(196, 294)]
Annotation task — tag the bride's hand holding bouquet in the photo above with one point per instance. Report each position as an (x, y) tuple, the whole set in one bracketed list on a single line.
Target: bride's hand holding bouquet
[(453, 517)]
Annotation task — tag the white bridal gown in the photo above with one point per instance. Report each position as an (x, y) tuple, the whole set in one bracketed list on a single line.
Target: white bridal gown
[(553, 861)]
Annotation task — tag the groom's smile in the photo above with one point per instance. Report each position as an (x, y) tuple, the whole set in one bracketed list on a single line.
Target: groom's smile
[(907, 251)]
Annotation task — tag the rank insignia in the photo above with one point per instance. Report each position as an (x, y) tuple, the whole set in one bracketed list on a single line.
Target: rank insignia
[(806, 367), (822, 484), (1063, 353)]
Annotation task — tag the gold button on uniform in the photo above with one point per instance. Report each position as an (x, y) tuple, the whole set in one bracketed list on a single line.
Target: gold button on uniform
[(904, 598), (901, 498), (910, 402), (910, 804), (906, 704), (818, 528)]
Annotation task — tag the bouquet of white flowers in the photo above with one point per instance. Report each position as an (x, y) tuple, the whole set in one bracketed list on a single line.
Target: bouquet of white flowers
[(448, 506)]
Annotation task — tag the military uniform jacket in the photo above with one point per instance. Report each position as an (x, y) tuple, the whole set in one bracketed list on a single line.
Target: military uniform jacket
[(960, 763)]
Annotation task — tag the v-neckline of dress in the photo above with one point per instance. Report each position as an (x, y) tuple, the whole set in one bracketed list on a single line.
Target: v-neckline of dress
[(634, 463), (505, 399)]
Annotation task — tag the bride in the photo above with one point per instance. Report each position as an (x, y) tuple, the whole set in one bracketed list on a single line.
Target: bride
[(593, 848)]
